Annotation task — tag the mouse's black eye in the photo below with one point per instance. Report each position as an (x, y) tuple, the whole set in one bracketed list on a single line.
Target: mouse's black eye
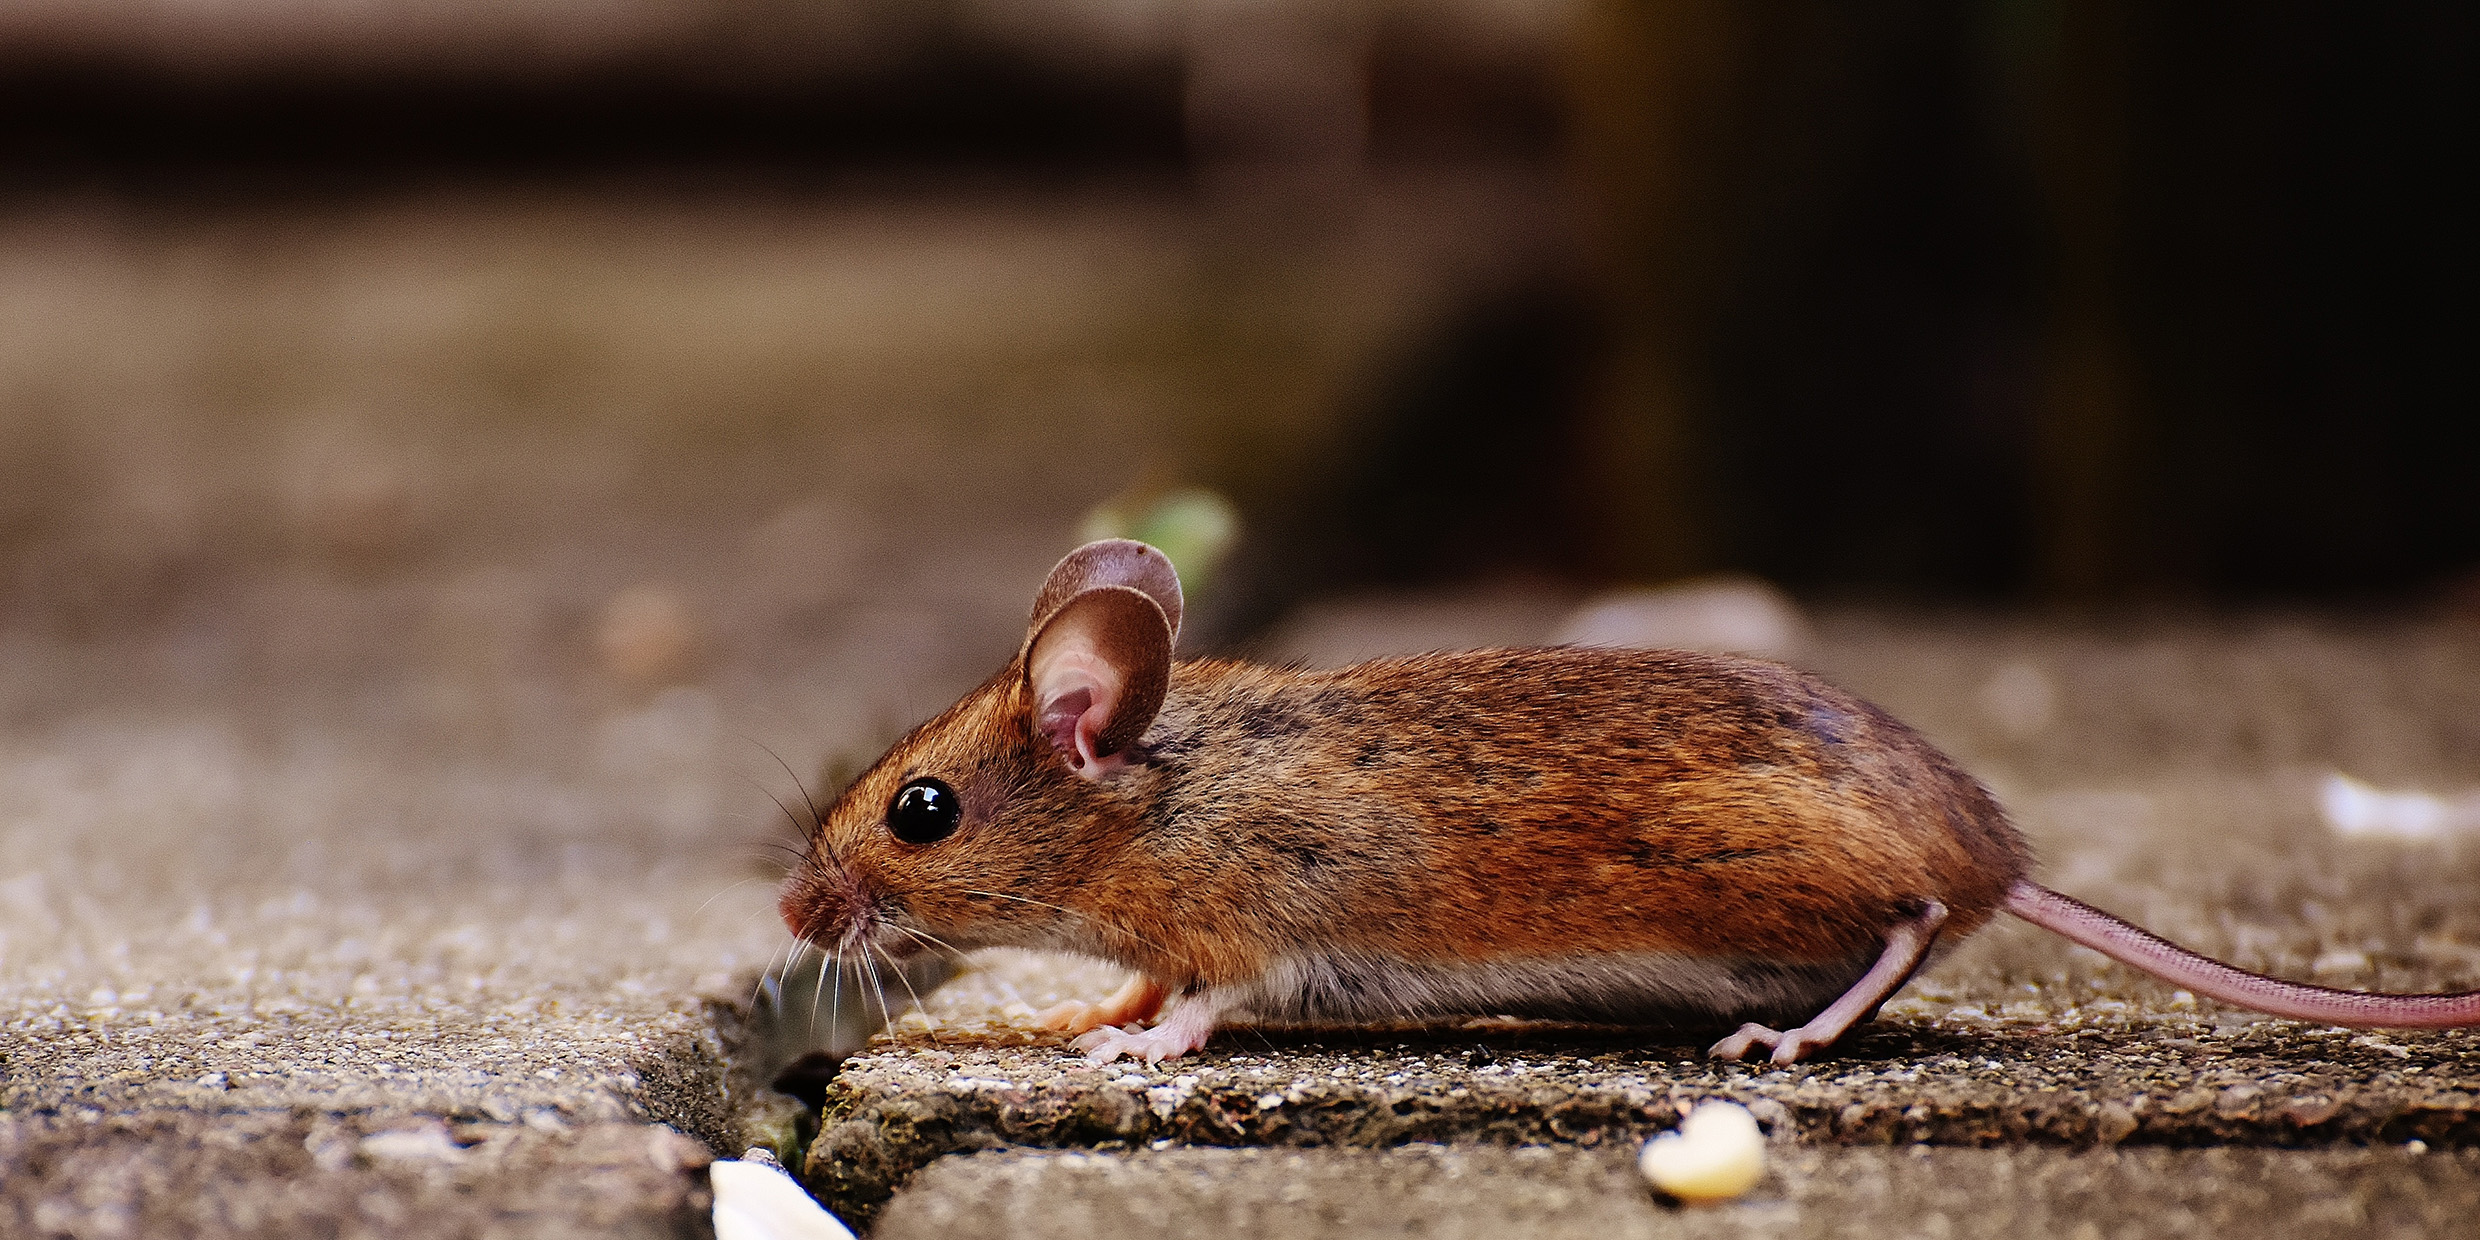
[(925, 811)]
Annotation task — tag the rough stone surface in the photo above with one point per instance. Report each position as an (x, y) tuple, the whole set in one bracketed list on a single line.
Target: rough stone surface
[(1950, 1082), (292, 1172), (1483, 1193), (243, 993)]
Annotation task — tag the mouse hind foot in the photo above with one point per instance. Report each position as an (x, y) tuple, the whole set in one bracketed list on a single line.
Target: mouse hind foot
[(1906, 946)]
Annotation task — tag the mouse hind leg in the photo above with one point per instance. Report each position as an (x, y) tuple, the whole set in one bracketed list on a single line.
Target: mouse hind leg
[(1140, 1000), (1906, 945)]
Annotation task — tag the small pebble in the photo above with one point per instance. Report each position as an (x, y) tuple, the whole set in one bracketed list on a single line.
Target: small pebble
[(428, 1143), (1716, 1155)]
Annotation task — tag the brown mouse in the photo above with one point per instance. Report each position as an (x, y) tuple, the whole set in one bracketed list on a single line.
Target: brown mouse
[(1609, 835)]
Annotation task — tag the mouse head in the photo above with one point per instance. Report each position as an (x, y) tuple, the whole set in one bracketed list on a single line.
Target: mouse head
[(976, 828)]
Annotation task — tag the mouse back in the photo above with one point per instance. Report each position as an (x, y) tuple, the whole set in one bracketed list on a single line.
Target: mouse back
[(1529, 802)]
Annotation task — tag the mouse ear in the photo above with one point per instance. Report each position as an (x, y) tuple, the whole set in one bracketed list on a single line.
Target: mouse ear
[(1109, 562), (1097, 657)]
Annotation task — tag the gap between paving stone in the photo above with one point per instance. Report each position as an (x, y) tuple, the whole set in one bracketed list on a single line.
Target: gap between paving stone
[(911, 1099)]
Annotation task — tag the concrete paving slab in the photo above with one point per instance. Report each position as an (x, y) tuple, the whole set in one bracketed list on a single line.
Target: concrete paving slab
[(303, 1171), (1949, 1081), (247, 990), (1482, 1193)]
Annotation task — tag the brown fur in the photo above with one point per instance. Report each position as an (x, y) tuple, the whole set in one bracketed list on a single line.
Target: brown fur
[(1442, 808)]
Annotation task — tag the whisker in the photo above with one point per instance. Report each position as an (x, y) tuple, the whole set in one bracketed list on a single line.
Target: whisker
[(806, 867), (908, 982), (778, 869), (772, 958), (928, 939), (816, 817), (886, 1012), (1000, 895), (799, 827), (701, 909), (1096, 921), (755, 990), (780, 864), (834, 1017)]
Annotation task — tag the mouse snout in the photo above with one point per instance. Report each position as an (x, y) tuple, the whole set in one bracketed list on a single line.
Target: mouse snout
[(819, 910)]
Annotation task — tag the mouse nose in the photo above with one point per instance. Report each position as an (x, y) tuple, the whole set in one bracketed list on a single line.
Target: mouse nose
[(799, 906), (816, 910)]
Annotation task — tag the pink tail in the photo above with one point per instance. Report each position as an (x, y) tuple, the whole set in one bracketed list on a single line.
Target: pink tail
[(2132, 945)]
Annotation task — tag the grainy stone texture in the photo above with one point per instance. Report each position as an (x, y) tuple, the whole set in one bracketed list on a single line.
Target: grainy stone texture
[(305, 1171), (1483, 1193), (244, 993), (1951, 1082)]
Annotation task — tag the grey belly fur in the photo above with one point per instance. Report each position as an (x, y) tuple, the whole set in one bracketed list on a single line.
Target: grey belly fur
[(1632, 988)]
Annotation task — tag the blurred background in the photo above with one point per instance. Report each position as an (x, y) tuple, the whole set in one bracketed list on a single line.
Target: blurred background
[(647, 342), (459, 459)]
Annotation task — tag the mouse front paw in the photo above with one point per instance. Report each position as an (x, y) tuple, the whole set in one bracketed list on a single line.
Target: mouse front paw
[(1185, 1030)]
